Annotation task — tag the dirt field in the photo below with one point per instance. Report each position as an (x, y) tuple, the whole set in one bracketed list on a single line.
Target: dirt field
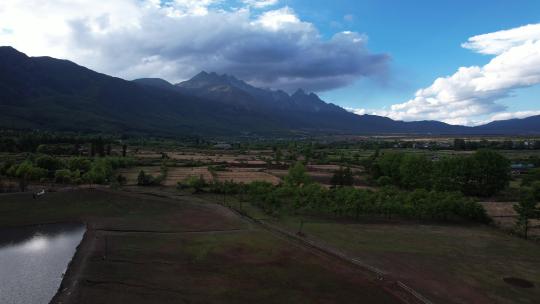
[(445, 263), (216, 157), (175, 175), (178, 174), (151, 249), (317, 176), (322, 175), (246, 176), (131, 174), (504, 216)]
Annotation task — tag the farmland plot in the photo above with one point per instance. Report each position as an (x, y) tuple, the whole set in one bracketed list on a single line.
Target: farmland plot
[(246, 176)]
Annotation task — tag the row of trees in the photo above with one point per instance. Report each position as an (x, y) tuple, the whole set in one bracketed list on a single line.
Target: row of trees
[(483, 173), (24, 141), (53, 143), (350, 202), (462, 144), (72, 170), (299, 195)]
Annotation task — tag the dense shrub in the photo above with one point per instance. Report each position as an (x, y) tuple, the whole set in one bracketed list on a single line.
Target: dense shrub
[(63, 176), (49, 163), (27, 171), (193, 182), (531, 176), (297, 175), (484, 173), (79, 163), (342, 177), (388, 202)]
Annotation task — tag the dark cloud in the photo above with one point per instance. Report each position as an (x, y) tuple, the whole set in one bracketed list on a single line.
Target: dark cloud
[(142, 38)]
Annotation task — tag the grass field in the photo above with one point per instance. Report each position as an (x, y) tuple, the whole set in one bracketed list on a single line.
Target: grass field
[(151, 249), (447, 263)]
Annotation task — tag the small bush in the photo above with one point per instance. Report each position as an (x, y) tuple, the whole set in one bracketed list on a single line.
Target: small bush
[(63, 176), (193, 182)]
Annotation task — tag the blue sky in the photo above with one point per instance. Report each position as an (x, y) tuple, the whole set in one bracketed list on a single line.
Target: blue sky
[(424, 40), (403, 59)]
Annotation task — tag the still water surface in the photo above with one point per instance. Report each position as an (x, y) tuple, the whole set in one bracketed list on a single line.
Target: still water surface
[(33, 259)]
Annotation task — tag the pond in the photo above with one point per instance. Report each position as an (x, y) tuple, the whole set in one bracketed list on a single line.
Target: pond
[(33, 260)]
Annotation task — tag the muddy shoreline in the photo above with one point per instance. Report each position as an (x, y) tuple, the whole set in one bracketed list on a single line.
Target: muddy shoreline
[(68, 287)]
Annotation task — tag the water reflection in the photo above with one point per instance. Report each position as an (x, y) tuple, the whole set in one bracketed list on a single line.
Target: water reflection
[(33, 259)]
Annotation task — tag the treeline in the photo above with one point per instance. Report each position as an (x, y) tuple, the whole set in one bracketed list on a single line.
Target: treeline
[(458, 144), (74, 170), (299, 195), (65, 143), (483, 173), (21, 141), (471, 145)]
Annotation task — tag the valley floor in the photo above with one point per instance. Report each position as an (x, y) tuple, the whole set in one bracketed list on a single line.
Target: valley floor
[(159, 245), (173, 248), (444, 263)]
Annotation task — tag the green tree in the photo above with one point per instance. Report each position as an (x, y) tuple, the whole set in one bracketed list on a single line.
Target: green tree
[(62, 176), (278, 155), (487, 172), (415, 171), (388, 164), (194, 182), (384, 181), (79, 163), (144, 179), (526, 209), (100, 172), (342, 177), (449, 174), (28, 171), (459, 144), (531, 176), (297, 175), (6, 165), (536, 190), (314, 197), (364, 202), (49, 163)]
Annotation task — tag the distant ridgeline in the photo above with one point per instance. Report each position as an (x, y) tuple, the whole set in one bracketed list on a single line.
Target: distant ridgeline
[(44, 93)]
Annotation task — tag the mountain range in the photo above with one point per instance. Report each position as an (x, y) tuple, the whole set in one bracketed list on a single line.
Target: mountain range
[(52, 94)]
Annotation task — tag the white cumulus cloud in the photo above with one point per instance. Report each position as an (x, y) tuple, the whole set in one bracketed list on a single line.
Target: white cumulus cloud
[(260, 3), (510, 115), (358, 111), (473, 91)]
